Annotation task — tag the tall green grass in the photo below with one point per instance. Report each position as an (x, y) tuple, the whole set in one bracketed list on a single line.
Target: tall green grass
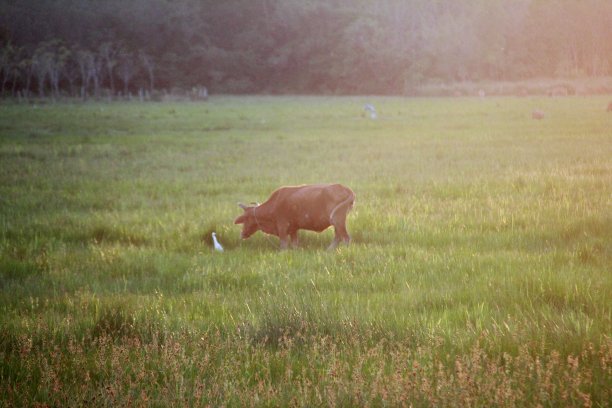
[(479, 272)]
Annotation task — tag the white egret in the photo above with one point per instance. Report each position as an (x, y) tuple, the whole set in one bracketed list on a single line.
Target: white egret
[(216, 243)]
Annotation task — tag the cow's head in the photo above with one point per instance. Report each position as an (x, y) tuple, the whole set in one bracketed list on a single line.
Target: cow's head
[(248, 221)]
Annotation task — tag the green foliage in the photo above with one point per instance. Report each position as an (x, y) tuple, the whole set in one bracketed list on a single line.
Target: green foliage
[(478, 272), (290, 46)]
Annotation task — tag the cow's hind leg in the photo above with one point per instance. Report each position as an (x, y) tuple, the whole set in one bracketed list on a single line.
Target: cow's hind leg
[(341, 234), (333, 244), (346, 238)]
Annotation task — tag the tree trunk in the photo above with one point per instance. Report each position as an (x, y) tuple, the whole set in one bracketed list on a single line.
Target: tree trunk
[(4, 81), (14, 85), (111, 79), (54, 79), (28, 83), (96, 81), (41, 84)]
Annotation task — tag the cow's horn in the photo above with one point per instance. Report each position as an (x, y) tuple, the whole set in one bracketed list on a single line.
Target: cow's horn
[(244, 207)]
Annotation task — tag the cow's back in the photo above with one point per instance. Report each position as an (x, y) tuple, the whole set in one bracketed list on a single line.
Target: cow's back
[(312, 195)]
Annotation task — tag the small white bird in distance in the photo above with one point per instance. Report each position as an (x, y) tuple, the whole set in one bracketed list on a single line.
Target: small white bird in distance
[(218, 246), (371, 109)]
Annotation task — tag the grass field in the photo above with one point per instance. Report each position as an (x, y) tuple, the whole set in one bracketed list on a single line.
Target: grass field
[(479, 272)]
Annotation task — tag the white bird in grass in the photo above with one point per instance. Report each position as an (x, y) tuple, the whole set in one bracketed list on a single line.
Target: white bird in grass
[(216, 243), (371, 109)]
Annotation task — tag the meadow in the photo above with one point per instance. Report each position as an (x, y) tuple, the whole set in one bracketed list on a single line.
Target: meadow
[(479, 272)]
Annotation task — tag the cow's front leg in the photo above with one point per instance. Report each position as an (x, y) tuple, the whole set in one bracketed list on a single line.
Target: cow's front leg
[(284, 243), (283, 234), (294, 239)]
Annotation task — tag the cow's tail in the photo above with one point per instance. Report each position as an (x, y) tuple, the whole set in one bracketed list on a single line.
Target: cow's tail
[(347, 204)]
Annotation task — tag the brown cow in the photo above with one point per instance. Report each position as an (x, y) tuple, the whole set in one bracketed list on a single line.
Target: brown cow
[(308, 207)]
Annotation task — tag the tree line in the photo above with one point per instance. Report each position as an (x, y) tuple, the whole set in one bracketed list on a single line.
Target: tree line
[(90, 48), (53, 69)]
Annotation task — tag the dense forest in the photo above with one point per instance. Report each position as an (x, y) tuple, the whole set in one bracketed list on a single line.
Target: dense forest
[(115, 47)]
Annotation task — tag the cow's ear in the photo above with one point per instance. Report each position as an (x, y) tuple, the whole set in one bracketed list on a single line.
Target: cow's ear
[(239, 220)]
